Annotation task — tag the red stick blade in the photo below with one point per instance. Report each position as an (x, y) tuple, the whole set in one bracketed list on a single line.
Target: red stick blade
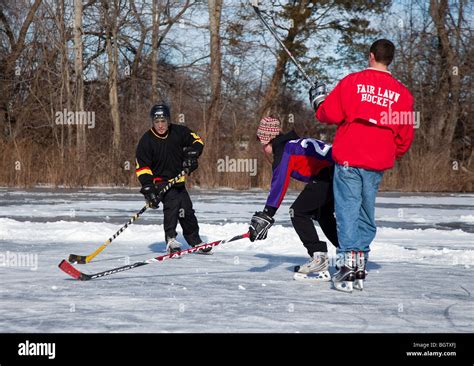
[(65, 266)]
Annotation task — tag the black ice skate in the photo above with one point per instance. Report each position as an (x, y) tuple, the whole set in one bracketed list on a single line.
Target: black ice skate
[(360, 272), (343, 279)]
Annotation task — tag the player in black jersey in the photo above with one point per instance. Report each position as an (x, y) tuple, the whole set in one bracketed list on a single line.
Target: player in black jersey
[(162, 153)]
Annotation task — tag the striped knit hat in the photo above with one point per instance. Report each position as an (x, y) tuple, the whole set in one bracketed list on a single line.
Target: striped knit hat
[(268, 129)]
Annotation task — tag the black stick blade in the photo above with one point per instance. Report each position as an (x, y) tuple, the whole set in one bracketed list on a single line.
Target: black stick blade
[(79, 259)]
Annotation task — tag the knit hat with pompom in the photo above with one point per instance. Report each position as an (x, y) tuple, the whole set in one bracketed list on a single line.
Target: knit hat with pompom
[(268, 129)]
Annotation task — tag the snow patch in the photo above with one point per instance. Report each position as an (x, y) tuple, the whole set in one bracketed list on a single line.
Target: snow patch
[(395, 245), (467, 218)]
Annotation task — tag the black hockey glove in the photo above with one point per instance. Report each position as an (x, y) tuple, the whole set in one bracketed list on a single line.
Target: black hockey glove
[(259, 226), (317, 94), (190, 159), (151, 196)]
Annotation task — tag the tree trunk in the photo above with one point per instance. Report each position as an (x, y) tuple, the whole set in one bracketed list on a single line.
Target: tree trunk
[(270, 101), (154, 50), (111, 25), (213, 113), (66, 100), (444, 121), (79, 81), (133, 101)]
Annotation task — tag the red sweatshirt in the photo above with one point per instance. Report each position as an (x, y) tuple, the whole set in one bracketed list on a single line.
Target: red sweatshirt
[(375, 118)]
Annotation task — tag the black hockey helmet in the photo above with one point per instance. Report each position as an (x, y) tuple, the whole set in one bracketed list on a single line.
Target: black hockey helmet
[(160, 110)]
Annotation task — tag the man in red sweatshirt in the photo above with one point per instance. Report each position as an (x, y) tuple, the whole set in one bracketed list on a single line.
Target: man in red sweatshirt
[(375, 119)]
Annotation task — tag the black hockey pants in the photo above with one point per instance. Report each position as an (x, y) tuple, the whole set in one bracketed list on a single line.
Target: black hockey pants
[(315, 202), (177, 207)]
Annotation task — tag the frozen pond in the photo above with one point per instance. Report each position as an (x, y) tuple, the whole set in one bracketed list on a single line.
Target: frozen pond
[(396, 210), (420, 272)]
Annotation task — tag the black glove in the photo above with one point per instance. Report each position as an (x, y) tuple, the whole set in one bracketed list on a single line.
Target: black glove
[(151, 196), (259, 226), (190, 159), (317, 94)]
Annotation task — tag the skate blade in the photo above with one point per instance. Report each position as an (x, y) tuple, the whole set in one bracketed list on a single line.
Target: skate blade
[(344, 286), (312, 277), (359, 285)]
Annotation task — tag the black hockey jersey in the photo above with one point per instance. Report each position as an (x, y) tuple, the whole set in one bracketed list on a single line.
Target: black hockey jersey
[(160, 158)]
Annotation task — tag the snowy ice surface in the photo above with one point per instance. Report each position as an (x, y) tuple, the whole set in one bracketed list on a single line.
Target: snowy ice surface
[(420, 271)]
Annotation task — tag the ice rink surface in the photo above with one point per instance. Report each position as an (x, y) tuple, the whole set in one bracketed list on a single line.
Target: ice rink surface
[(421, 269)]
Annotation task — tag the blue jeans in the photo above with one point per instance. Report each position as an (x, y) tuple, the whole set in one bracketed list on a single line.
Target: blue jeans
[(355, 190)]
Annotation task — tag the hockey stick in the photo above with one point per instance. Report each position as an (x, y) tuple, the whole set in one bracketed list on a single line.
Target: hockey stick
[(272, 31), (83, 259), (75, 273)]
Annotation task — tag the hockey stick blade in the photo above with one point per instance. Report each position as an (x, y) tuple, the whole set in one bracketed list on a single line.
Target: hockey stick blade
[(79, 259), (65, 266), (78, 275)]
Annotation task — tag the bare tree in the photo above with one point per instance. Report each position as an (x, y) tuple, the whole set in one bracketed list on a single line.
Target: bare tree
[(79, 77), (114, 56), (154, 49), (212, 124), (159, 36), (299, 19), (447, 99), (111, 11), (302, 21), (8, 63)]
